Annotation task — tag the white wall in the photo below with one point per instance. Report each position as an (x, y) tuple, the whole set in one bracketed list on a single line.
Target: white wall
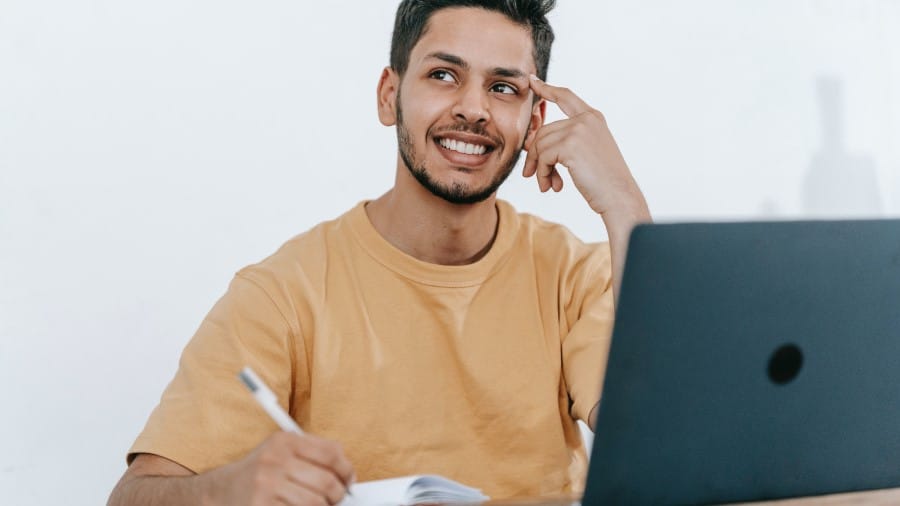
[(150, 149)]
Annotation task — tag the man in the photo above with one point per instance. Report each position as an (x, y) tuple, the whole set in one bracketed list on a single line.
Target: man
[(432, 330)]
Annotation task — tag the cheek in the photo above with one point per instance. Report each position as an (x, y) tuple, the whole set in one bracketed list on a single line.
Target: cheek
[(422, 117)]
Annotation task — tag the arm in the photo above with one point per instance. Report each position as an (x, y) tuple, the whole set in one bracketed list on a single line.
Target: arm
[(286, 468), (154, 480), (619, 223), (583, 143), (207, 406), (592, 419)]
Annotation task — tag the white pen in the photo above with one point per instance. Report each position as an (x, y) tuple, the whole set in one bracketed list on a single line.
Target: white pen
[(266, 398)]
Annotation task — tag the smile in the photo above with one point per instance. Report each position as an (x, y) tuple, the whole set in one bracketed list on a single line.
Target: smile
[(463, 147)]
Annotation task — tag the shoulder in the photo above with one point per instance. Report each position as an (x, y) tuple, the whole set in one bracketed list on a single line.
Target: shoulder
[(304, 257), (553, 245)]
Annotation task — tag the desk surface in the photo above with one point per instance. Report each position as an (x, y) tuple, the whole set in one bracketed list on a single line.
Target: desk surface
[(868, 498)]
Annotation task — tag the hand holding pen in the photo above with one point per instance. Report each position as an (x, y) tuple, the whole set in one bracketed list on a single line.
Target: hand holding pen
[(290, 467)]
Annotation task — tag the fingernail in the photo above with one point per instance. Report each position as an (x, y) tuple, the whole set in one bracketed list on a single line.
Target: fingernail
[(534, 78)]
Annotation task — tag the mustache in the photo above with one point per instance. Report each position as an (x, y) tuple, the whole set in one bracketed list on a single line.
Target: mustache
[(469, 128)]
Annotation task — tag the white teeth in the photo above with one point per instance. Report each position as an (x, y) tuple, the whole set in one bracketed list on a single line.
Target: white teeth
[(463, 147)]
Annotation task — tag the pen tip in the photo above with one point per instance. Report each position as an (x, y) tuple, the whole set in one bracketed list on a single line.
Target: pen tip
[(248, 380)]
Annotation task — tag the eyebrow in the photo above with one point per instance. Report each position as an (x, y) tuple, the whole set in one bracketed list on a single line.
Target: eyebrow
[(463, 64), (506, 72), (452, 59)]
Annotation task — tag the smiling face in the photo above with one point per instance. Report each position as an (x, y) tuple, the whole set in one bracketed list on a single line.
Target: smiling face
[(463, 109)]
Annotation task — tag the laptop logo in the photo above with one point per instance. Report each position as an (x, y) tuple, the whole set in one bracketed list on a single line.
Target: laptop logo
[(785, 364)]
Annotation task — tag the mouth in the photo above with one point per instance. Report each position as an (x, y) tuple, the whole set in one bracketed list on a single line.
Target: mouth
[(465, 149)]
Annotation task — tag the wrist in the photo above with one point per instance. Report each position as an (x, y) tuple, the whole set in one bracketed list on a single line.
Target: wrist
[(623, 216), (210, 485)]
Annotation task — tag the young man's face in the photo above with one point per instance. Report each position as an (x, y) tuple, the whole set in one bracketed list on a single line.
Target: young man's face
[(464, 107)]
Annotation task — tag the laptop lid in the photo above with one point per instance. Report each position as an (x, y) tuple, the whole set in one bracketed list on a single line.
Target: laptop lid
[(752, 361)]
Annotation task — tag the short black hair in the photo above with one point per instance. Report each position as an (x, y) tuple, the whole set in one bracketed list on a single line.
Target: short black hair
[(413, 15)]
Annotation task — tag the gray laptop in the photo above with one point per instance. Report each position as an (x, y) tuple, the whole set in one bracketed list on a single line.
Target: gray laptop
[(752, 361)]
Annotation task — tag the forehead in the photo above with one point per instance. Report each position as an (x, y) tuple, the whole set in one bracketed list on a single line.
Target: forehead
[(483, 38)]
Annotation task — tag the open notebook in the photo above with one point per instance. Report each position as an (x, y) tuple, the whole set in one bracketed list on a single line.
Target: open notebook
[(422, 489)]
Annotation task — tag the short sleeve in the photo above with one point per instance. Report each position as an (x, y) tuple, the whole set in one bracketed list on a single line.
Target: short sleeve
[(590, 312), (206, 417)]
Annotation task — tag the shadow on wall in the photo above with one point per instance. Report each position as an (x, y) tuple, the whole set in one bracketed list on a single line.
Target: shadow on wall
[(838, 184)]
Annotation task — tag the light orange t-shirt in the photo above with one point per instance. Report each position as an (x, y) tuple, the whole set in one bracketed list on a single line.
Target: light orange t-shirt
[(474, 372)]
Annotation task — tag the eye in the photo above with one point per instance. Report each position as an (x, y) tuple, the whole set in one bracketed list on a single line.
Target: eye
[(505, 89), (442, 75)]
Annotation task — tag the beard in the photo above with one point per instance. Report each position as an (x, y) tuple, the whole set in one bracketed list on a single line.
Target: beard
[(456, 192)]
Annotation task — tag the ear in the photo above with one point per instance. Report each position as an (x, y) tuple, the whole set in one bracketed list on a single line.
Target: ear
[(388, 86), (538, 113)]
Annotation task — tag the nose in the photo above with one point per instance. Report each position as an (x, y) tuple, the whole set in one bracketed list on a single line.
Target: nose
[(472, 105)]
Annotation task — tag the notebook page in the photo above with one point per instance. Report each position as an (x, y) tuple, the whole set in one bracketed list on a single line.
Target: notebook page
[(437, 489), (379, 492)]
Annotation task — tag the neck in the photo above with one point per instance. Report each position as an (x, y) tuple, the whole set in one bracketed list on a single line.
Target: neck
[(431, 229)]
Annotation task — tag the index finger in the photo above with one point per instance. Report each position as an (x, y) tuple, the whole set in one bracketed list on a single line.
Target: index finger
[(326, 454), (570, 103)]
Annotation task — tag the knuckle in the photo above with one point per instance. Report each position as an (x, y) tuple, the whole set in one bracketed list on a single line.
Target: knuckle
[(333, 459), (265, 458), (544, 146), (336, 449), (281, 439), (326, 456), (261, 480), (310, 498), (274, 454), (334, 489), (318, 453)]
